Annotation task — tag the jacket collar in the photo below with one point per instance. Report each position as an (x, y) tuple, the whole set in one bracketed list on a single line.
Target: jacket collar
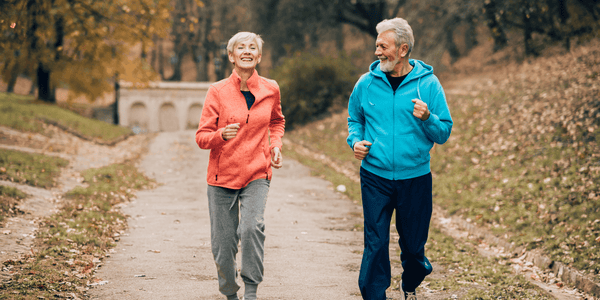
[(252, 83)]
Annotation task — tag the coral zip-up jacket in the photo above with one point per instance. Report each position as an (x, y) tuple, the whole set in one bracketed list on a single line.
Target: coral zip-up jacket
[(247, 157)]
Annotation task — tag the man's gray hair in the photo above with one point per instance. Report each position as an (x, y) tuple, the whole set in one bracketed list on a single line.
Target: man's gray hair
[(403, 31), (242, 37)]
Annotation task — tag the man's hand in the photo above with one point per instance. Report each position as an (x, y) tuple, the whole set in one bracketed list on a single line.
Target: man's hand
[(420, 111), (276, 158), (361, 149), (230, 131)]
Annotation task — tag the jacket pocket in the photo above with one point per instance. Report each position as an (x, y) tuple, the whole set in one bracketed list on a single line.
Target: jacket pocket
[(380, 154), (408, 152)]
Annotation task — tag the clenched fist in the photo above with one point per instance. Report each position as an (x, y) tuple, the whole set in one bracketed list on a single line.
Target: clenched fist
[(230, 131), (420, 111)]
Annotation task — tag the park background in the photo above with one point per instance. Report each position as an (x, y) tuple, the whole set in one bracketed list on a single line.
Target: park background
[(521, 78)]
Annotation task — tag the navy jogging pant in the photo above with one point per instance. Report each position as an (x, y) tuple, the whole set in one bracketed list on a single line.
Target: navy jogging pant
[(411, 198)]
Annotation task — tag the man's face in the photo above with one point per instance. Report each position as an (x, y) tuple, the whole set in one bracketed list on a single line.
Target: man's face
[(386, 51)]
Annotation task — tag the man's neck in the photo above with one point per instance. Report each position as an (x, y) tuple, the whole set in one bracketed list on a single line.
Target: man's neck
[(402, 68)]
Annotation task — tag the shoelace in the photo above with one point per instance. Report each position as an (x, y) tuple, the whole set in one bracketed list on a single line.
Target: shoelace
[(410, 296)]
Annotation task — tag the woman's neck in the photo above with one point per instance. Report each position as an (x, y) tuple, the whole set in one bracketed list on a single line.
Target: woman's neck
[(244, 74)]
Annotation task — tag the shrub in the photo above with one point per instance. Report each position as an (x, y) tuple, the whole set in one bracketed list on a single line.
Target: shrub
[(313, 85)]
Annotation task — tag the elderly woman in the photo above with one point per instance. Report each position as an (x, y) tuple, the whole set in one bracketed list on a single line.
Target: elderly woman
[(241, 115)]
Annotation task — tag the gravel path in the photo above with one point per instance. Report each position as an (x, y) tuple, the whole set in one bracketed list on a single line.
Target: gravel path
[(311, 251)]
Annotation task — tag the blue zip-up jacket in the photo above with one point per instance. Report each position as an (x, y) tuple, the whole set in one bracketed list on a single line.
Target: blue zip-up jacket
[(400, 141)]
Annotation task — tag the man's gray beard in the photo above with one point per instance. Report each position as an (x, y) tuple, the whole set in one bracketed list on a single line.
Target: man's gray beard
[(388, 66)]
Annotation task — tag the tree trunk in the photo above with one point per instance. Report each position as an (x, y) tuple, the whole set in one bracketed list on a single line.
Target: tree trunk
[(177, 67), (33, 85), (450, 45), (471, 34), (161, 63), (564, 16), (179, 48), (116, 104), (201, 63), (527, 31), (339, 37), (12, 80), (500, 40), (45, 92)]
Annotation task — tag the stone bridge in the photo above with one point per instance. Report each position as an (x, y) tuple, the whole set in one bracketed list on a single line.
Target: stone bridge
[(161, 106)]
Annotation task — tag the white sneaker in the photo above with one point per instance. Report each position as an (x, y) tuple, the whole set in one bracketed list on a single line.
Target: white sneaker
[(410, 296)]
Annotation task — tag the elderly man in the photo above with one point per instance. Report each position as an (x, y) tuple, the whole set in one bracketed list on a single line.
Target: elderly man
[(397, 111)]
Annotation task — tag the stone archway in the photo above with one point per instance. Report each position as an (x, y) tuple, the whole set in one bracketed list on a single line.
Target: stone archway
[(194, 115), (161, 106), (167, 118), (138, 116)]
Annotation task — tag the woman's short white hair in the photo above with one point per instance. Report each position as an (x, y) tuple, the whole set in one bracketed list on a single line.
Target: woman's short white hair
[(242, 37), (403, 31)]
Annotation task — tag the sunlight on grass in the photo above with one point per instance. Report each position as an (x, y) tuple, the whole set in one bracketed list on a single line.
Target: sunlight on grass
[(31, 169), (9, 199), (23, 113), (485, 278), (523, 161), (71, 243)]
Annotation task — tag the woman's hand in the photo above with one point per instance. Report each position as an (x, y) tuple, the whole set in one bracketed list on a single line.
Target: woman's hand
[(276, 158), (230, 131)]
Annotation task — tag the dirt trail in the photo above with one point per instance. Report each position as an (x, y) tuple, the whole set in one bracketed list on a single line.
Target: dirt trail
[(311, 251), (17, 232)]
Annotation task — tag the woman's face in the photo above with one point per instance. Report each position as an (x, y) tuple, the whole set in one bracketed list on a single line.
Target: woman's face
[(245, 55)]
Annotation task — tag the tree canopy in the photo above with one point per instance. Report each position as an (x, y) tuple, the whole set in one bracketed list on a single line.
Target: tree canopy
[(86, 45), (79, 44)]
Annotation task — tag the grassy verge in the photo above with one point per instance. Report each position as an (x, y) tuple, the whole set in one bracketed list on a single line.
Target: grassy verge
[(9, 199), (480, 277), (31, 169), (70, 244), (524, 158), (25, 114), (483, 278)]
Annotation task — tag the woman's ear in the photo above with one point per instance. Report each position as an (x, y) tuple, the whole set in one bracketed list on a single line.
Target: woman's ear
[(231, 58)]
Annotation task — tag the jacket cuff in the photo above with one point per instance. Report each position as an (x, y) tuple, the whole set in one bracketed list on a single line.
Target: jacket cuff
[(354, 141), (278, 145)]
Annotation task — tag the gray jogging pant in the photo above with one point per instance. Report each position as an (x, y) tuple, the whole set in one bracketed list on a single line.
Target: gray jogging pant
[(238, 215)]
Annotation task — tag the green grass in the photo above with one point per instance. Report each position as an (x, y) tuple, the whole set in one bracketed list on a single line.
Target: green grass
[(9, 198), (31, 169), (526, 165), (523, 159), (483, 278), (23, 113), (70, 244)]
